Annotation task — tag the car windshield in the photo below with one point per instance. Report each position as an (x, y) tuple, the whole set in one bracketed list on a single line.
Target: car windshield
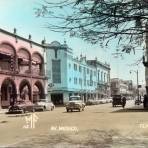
[(44, 101), (74, 98)]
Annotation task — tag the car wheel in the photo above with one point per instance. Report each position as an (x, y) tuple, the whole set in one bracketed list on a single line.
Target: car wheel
[(67, 110), (23, 111), (79, 109), (33, 110), (52, 108), (43, 109)]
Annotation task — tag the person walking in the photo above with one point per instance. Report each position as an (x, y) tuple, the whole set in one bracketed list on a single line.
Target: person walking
[(145, 101), (123, 101)]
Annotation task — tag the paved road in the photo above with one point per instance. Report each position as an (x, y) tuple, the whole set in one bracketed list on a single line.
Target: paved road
[(100, 126)]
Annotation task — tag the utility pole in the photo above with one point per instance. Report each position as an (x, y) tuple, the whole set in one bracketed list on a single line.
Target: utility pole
[(136, 71), (137, 86), (145, 59)]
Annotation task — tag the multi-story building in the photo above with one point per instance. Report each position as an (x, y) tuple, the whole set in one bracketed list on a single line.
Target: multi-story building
[(22, 68), (71, 76), (123, 87)]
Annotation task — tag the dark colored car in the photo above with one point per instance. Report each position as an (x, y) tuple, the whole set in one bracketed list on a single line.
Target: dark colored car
[(21, 106), (117, 100)]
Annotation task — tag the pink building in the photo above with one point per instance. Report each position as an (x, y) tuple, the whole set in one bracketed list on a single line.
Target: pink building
[(22, 69)]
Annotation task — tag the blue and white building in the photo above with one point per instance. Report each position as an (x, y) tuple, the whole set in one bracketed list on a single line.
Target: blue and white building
[(75, 76)]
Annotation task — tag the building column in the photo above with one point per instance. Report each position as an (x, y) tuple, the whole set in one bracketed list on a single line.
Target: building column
[(0, 101), (49, 96), (17, 97), (146, 55)]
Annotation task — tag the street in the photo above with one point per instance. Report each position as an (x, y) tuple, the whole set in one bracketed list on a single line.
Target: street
[(97, 126)]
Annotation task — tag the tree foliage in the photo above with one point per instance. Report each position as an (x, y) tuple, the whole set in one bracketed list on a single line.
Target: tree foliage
[(99, 20)]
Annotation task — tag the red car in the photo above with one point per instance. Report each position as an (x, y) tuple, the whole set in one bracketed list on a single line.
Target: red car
[(21, 106)]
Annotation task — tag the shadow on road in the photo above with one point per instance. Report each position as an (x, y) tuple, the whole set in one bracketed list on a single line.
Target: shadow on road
[(84, 139), (75, 111), (131, 109)]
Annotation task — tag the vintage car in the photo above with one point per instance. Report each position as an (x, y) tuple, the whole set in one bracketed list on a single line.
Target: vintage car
[(75, 103), (22, 106), (91, 102), (117, 100), (44, 105)]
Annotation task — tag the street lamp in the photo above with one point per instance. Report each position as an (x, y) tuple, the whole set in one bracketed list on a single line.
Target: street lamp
[(136, 71)]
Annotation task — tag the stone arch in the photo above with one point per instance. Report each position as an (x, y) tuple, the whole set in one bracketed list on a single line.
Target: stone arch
[(9, 48), (38, 91), (8, 92), (37, 63), (7, 56), (24, 60), (25, 90)]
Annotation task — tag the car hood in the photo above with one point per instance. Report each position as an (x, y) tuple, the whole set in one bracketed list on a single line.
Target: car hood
[(76, 102)]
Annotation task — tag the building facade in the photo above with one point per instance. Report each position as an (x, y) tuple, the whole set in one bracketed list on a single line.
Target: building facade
[(22, 69), (74, 76)]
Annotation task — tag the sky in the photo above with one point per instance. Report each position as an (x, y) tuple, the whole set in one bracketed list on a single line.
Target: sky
[(20, 14)]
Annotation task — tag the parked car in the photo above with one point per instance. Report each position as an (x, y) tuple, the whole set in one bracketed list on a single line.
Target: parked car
[(44, 105), (91, 102), (75, 103), (102, 101), (21, 106)]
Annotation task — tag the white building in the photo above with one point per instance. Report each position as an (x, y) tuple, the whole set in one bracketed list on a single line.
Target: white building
[(123, 87), (72, 76)]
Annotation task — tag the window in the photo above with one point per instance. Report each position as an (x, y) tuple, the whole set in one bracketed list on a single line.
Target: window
[(80, 81), (70, 94), (98, 75), (94, 83), (94, 73), (102, 76), (107, 77), (91, 80), (75, 80), (87, 71), (84, 75), (56, 71), (80, 68), (87, 82), (91, 83), (84, 82), (91, 72), (84, 69), (69, 79), (75, 67)]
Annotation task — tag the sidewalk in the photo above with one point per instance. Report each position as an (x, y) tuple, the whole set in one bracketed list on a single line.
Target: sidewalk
[(3, 111)]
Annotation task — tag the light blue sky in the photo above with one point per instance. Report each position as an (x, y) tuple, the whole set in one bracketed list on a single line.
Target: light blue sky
[(20, 14)]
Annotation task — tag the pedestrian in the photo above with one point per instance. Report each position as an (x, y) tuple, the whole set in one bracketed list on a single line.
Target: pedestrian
[(12, 100), (145, 101), (123, 101)]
